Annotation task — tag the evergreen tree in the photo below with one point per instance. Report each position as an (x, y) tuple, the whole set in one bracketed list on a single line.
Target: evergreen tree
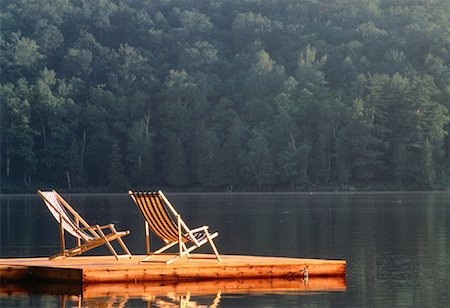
[(235, 94), (116, 178), (141, 153), (257, 160), (174, 165), (18, 157)]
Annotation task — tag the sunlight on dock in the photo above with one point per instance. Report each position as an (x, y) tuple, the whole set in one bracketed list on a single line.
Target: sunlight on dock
[(101, 269)]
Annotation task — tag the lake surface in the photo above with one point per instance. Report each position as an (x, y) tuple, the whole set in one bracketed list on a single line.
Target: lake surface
[(397, 245)]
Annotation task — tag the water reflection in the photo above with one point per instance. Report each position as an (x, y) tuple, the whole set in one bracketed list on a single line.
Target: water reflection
[(397, 245), (183, 294)]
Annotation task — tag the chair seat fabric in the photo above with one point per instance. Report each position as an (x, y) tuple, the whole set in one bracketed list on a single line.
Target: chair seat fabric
[(199, 236), (165, 222), (88, 237)]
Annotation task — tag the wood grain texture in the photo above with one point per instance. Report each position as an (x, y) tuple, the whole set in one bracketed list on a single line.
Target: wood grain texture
[(106, 269)]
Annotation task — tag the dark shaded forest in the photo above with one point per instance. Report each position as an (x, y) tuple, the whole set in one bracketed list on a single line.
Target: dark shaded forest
[(225, 94)]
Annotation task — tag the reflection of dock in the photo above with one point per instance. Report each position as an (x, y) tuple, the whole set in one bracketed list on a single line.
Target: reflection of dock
[(182, 294), (197, 288), (100, 269), (225, 286)]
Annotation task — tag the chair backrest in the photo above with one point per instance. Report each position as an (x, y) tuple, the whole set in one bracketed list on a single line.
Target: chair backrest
[(54, 203), (158, 215)]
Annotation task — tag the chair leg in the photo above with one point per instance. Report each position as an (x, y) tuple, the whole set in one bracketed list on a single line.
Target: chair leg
[(111, 248), (165, 248), (83, 248), (159, 251), (173, 259), (213, 246), (186, 250), (187, 253), (180, 241), (124, 247), (58, 256), (146, 258), (61, 236), (147, 238), (121, 243)]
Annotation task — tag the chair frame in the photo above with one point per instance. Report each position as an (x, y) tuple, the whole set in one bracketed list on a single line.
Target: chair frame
[(87, 236), (162, 223)]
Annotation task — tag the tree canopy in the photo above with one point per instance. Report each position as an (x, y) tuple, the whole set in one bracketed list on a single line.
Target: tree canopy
[(225, 94)]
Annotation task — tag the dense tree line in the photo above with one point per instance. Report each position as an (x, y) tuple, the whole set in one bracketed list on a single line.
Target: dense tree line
[(225, 94)]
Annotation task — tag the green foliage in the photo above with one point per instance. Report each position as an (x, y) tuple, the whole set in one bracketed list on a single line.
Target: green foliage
[(257, 159), (117, 180), (16, 132), (141, 153), (236, 95), (174, 165)]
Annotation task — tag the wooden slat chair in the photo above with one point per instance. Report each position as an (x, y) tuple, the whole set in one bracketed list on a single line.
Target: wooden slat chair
[(88, 237), (159, 215)]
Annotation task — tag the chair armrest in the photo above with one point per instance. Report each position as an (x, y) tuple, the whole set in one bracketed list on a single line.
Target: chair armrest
[(95, 227), (203, 228)]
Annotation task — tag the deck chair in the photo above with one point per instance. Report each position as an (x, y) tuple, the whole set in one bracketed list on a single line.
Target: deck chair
[(162, 218), (88, 237)]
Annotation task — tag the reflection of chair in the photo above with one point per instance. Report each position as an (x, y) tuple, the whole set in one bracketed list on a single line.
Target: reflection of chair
[(88, 237), (108, 302), (159, 215), (181, 300)]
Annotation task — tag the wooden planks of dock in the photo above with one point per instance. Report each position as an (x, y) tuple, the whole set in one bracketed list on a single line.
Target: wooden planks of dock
[(105, 269)]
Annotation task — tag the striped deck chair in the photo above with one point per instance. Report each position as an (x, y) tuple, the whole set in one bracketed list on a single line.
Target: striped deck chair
[(162, 218), (87, 236)]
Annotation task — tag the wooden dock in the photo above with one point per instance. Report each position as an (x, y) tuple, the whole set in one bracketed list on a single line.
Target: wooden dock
[(86, 270)]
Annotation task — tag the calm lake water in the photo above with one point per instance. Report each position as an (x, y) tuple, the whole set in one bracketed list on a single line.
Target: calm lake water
[(397, 245)]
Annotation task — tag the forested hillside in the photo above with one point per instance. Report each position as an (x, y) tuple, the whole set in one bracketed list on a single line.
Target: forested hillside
[(225, 94)]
